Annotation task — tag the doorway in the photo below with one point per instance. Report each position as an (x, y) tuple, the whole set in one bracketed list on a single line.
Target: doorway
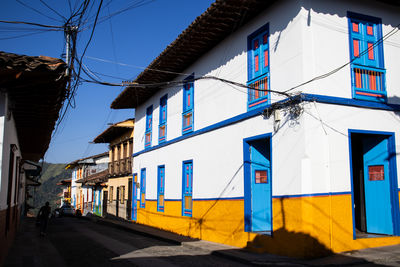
[(129, 202), (374, 183), (258, 180)]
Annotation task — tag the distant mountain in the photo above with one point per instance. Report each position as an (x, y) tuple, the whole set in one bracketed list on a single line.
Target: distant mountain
[(48, 190)]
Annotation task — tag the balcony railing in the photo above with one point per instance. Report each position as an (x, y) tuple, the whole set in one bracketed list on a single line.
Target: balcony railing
[(369, 83), (258, 95), (120, 167)]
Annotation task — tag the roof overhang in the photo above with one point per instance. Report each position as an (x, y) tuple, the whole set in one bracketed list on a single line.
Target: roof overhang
[(114, 131), (221, 19), (36, 87)]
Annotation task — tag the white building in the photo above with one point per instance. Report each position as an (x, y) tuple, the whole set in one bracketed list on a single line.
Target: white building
[(306, 168), (32, 90)]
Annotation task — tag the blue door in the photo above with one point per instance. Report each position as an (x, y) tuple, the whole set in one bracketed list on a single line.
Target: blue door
[(134, 197), (187, 184), (143, 188), (378, 208), (258, 179)]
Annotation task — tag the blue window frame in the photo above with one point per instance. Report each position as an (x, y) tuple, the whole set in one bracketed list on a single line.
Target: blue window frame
[(149, 126), (187, 184), (366, 53), (143, 188), (188, 103), (258, 68), (162, 127), (160, 188)]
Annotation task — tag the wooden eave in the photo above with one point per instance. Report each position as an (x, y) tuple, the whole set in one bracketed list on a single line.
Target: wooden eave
[(220, 20), (36, 87)]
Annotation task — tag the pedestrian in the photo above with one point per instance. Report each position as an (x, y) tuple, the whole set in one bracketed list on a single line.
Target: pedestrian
[(43, 216)]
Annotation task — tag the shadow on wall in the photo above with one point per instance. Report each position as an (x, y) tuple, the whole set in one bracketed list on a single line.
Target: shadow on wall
[(296, 244)]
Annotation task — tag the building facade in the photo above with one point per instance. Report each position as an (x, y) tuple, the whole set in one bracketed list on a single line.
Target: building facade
[(88, 179), (118, 194), (32, 92), (280, 132)]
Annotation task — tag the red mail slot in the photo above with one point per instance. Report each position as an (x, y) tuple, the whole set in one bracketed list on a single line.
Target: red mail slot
[(376, 173), (261, 177)]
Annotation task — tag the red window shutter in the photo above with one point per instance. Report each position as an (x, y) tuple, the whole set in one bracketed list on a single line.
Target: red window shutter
[(372, 80), (256, 63), (265, 58), (370, 51), (357, 74), (356, 48), (355, 27), (370, 30)]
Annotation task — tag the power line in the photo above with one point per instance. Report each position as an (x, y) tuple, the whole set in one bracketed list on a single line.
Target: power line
[(55, 11), (37, 11), (33, 24)]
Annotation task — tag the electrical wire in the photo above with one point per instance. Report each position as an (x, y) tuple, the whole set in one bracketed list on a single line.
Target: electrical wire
[(37, 11), (55, 11), (325, 75), (33, 24)]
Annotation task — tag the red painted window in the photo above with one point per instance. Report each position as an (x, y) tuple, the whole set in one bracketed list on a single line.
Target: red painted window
[(261, 177), (256, 44), (265, 58), (370, 30), (376, 173), (355, 26), (357, 74), (356, 48), (371, 51), (372, 80), (256, 68), (265, 38)]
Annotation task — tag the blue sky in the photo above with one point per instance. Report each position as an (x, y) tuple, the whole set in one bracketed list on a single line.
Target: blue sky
[(133, 39)]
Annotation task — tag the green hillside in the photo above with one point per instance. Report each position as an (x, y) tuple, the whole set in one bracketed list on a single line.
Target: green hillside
[(48, 191)]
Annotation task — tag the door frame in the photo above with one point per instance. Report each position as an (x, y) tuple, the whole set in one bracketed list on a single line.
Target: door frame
[(394, 191), (247, 180)]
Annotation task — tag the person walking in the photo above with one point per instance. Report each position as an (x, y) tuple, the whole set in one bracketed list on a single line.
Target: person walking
[(43, 215)]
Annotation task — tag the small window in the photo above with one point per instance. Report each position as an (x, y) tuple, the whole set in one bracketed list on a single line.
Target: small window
[(149, 126), (376, 173), (162, 128), (261, 177), (188, 104)]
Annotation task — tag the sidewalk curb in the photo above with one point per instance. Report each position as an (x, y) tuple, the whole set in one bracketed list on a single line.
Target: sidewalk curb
[(225, 251)]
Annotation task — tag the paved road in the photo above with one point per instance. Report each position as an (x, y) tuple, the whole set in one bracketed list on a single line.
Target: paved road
[(77, 242)]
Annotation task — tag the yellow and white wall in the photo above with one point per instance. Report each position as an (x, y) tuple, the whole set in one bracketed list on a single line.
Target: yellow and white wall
[(311, 174)]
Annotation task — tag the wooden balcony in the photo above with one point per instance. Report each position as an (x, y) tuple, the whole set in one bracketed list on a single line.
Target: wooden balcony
[(120, 167)]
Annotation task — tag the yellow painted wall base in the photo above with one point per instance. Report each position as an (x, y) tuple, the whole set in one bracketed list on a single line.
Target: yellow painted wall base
[(303, 227)]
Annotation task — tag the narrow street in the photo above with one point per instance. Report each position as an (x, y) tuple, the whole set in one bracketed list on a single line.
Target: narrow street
[(78, 242)]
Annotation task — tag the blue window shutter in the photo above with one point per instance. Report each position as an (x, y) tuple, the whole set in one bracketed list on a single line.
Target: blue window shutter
[(188, 104), (162, 127), (258, 68), (366, 54), (149, 127)]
